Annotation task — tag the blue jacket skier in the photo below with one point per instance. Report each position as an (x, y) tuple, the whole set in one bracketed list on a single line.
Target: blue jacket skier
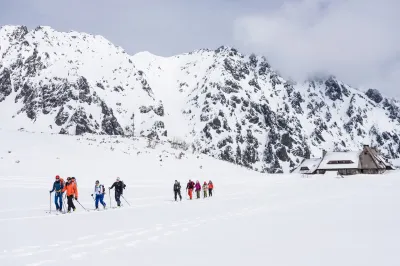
[(99, 191), (58, 186)]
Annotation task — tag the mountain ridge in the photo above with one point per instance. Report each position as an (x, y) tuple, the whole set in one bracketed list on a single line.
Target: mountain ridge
[(222, 47), (228, 105)]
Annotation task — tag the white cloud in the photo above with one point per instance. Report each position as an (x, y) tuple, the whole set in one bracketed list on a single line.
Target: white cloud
[(357, 40)]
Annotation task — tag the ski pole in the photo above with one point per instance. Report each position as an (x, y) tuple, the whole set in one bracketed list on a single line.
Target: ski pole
[(125, 199), (65, 207), (81, 205), (94, 200), (50, 202), (109, 194)]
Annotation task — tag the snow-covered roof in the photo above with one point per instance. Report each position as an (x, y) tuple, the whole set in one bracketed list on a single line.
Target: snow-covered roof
[(379, 160), (382, 163), (341, 160), (308, 166)]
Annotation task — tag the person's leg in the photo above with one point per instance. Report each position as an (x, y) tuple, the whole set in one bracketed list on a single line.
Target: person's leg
[(56, 201), (97, 201), (72, 203), (60, 201), (118, 198), (102, 200), (176, 195), (69, 201)]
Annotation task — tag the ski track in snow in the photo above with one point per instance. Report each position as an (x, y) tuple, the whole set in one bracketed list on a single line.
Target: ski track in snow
[(112, 241), (86, 237), (120, 241), (130, 238), (40, 263), (43, 207), (82, 212)]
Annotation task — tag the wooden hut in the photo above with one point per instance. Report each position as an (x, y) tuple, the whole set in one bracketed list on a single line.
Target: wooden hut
[(371, 162), (365, 161)]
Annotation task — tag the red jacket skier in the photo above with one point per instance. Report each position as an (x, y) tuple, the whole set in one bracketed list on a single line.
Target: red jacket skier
[(189, 188)]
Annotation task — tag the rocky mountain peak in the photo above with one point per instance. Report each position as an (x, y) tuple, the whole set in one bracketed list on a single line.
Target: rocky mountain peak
[(374, 95), (228, 105)]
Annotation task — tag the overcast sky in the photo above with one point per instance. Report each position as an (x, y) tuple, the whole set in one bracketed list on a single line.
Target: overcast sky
[(357, 40)]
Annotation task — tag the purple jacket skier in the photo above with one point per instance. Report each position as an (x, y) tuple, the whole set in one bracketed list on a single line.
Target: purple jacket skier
[(198, 189)]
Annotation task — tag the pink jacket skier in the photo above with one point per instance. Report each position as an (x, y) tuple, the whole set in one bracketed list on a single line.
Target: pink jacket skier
[(198, 189)]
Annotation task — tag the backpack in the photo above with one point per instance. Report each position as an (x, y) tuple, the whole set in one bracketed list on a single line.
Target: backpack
[(62, 183), (192, 185), (102, 190)]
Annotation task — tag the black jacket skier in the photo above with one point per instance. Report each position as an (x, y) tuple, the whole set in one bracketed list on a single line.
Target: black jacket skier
[(119, 187), (177, 190)]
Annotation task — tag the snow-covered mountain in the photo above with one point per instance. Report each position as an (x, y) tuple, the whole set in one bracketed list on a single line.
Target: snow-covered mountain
[(222, 103)]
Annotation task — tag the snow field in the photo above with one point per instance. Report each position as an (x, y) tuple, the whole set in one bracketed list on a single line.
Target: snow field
[(252, 218)]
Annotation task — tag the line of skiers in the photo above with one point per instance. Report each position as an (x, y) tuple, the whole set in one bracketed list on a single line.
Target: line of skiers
[(71, 189), (207, 188)]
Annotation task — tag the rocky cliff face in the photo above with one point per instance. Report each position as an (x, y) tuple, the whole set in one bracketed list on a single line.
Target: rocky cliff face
[(225, 104)]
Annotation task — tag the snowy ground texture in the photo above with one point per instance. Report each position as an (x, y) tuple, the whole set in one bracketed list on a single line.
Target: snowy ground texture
[(253, 218)]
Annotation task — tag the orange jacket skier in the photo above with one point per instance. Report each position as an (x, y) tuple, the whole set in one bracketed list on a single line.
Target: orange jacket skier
[(72, 191)]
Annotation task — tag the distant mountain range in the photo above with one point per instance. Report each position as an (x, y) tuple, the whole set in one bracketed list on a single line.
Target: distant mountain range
[(225, 104)]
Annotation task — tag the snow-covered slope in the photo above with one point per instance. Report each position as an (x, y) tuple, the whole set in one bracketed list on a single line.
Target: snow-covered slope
[(72, 83), (252, 218), (222, 103)]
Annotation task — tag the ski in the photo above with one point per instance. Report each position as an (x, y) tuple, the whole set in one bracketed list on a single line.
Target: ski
[(56, 213), (107, 208)]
